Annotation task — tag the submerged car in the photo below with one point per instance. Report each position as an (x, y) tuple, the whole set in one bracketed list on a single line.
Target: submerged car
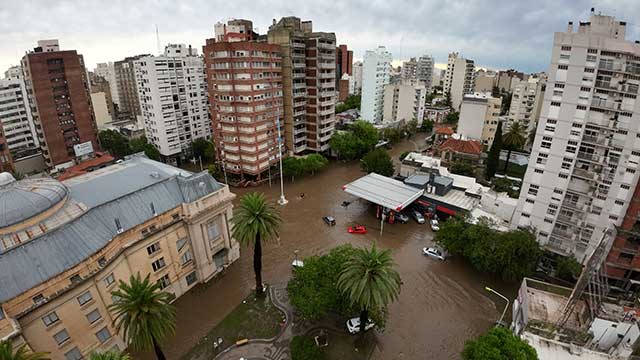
[(358, 229), (434, 253), (330, 220), (353, 325), (435, 225), (402, 218), (417, 216)]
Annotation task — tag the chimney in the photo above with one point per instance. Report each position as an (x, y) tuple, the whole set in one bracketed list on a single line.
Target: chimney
[(570, 27)]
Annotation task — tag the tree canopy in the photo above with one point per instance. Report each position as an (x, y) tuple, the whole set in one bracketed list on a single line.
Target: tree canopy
[(115, 143), (360, 138), (378, 161), (498, 344), (203, 148), (512, 255), (568, 268), (7, 352), (452, 117), (299, 166), (352, 102), (461, 167)]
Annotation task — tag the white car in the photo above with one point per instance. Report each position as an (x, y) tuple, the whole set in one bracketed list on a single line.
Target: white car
[(435, 225), (297, 263), (353, 325), (434, 253), (417, 216)]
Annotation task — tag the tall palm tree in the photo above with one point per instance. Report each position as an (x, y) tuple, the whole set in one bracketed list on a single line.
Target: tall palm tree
[(369, 281), (144, 314), (513, 139), (109, 355), (255, 220), (22, 353)]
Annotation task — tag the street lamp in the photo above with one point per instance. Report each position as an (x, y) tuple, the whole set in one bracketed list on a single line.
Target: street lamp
[(505, 306), (282, 200)]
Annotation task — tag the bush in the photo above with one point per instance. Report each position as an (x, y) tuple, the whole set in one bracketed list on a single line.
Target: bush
[(498, 344), (305, 348), (378, 161), (404, 155), (360, 138), (568, 268), (427, 126), (462, 168)]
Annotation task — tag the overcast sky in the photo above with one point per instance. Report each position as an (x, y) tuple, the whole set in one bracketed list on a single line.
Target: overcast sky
[(498, 34)]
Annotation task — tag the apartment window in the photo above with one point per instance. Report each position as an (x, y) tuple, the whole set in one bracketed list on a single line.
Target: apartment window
[(565, 48), (591, 58), (581, 107), (558, 85), (563, 176), (533, 190), (164, 281), (102, 261), (619, 202), (570, 149), (539, 171), (613, 217), (38, 299), (625, 186), (551, 211), (94, 316), (635, 153), (541, 161), (186, 257), (596, 210), (191, 278), (584, 88), (525, 215), (85, 298), (181, 243), (153, 248), (158, 264), (50, 319), (75, 279), (555, 103), (588, 70), (623, 132), (631, 171), (103, 335), (73, 354), (61, 336), (110, 279), (212, 230), (552, 121), (547, 220), (592, 51), (530, 201), (557, 92)]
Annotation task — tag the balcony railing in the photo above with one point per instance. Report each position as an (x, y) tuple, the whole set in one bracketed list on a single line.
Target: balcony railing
[(604, 104)]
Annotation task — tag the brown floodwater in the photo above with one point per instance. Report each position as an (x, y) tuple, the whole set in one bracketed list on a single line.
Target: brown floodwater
[(441, 304)]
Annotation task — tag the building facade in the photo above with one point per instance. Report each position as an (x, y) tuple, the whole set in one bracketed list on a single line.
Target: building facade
[(376, 73), (58, 92), (424, 71), (585, 156), (125, 77), (357, 77), (409, 70), (178, 235), (245, 90), (526, 102), (173, 96), (344, 61), (485, 80), (15, 115), (479, 117), (459, 79), (108, 73), (403, 102)]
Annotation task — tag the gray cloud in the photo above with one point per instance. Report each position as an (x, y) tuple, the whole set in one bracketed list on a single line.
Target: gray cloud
[(495, 33)]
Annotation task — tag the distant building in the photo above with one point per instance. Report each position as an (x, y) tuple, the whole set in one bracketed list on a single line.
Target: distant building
[(404, 102), (376, 73), (15, 115), (357, 77), (344, 72), (479, 117), (436, 113), (409, 70), (453, 149), (125, 77), (108, 73), (526, 102), (100, 109), (59, 94), (508, 78), (344, 87), (485, 81), (459, 79), (173, 96)]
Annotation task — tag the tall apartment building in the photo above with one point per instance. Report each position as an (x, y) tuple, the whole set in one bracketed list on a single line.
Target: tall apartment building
[(376, 73), (479, 115), (128, 101), (357, 77), (85, 234), (507, 79), (584, 161), (245, 90), (344, 72), (418, 70), (15, 115), (309, 83), (485, 80), (404, 101), (409, 70), (173, 96), (526, 102), (58, 91), (458, 79), (108, 72)]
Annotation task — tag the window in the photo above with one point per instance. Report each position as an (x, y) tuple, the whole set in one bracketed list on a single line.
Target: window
[(525, 215), (181, 243), (596, 210), (38, 299), (75, 279), (103, 335), (158, 264), (625, 186), (547, 220), (562, 67), (565, 48), (186, 257), (110, 279), (191, 278), (73, 354), (85, 298), (102, 261), (61, 336), (557, 191), (533, 189), (50, 319), (558, 85), (563, 176), (631, 171), (94, 316), (530, 201), (212, 230), (164, 281), (588, 70), (155, 247), (619, 202), (555, 103), (581, 107), (539, 171), (613, 217)]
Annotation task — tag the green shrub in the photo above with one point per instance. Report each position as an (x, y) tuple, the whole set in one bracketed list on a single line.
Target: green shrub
[(305, 348)]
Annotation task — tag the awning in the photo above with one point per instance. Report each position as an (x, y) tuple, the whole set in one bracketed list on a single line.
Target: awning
[(383, 191), (445, 210)]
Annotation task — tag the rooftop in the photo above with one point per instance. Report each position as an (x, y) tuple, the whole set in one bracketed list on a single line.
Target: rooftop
[(84, 167), (461, 146), (390, 193), (445, 130)]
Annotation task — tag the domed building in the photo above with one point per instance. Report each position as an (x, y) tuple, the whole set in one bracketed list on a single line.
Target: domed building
[(64, 245)]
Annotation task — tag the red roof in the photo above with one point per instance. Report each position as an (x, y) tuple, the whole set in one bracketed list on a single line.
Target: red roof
[(84, 167), (462, 146), (444, 131)]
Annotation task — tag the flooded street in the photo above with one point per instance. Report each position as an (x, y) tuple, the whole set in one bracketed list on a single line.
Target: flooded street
[(441, 304)]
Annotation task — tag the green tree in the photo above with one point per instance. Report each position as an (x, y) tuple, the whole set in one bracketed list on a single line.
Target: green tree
[(514, 139), (22, 353), (493, 159), (404, 155), (360, 138), (109, 355), (114, 142), (366, 133), (254, 221), (392, 135), (144, 314), (506, 103), (203, 148), (498, 344), (292, 167), (427, 126), (379, 162), (370, 281), (452, 117), (464, 168), (352, 102), (142, 145), (216, 172), (568, 268), (313, 163), (305, 348), (447, 98), (412, 126)]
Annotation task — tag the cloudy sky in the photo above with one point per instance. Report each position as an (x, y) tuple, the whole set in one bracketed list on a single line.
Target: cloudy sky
[(495, 33)]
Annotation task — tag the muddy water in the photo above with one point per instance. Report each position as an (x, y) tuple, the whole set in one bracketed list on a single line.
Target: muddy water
[(441, 304)]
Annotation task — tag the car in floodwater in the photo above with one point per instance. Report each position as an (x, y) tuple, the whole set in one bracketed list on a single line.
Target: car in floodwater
[(353, 325), (434, 253)]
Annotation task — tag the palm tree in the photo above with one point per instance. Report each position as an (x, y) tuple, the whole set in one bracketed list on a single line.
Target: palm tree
[(22, 353), (144, 314), (255, 220), (109, 355), (513, 139), (369, 281)]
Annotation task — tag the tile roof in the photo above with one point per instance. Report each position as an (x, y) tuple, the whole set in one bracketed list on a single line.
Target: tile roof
[(462, 146), (445, 130)]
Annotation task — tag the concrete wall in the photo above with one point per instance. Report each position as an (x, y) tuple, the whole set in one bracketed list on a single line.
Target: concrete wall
[(472, 117)]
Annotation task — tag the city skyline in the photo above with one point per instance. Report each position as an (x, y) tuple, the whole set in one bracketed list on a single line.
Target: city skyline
[(489, 33)]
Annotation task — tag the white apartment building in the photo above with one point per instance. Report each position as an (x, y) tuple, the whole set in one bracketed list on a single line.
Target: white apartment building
[(107, 71), (404, 101), (100, 109), (479, 114), (420, 70), (526, 101), (376, 73), (409, 70), (458, 78), (15, 115), (173, 98), (586, 155), (357, 77)]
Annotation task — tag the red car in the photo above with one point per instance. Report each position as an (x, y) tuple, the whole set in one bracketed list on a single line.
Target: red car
[(358, 229)]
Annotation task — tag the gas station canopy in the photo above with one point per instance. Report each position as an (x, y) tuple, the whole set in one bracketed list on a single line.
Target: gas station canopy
[(383, 191)]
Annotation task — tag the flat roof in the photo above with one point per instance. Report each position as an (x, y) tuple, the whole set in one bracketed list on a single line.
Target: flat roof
[(456, 198), (384, 191)]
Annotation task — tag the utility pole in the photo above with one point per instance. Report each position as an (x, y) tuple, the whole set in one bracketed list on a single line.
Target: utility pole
[(282, 200)]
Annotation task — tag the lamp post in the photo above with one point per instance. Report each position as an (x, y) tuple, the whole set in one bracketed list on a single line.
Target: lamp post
[(282, 200), (505, 306)]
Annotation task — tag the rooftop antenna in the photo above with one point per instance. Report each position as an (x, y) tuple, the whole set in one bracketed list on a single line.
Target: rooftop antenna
[(158, 40)]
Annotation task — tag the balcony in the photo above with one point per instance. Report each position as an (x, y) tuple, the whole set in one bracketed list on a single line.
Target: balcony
[(329, 46), (584, 174), (327, 75), (299, 75), (610, 66), (298, 44), (588, 156), (598, 140), (299, 65), (604, 104), (300, 85), (326, 65)]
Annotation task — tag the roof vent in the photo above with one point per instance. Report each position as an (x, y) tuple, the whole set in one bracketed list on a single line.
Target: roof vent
[(155, 174), (119, 228), (153, 209)]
